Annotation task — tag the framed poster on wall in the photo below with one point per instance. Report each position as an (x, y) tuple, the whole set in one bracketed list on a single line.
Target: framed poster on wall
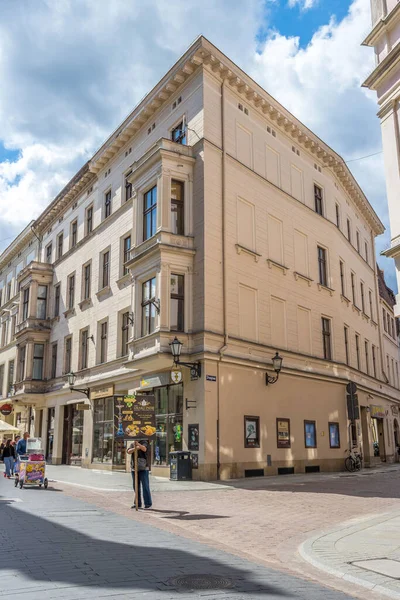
[(193, 437), (283, 433), (252, 432)]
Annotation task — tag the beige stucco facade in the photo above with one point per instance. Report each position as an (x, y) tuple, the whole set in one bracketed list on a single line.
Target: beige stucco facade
[(270, 241)]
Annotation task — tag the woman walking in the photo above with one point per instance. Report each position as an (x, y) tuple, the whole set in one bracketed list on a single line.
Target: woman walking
[(8, 458)]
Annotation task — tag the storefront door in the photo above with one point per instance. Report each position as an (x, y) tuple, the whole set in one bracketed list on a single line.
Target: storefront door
[(50, 434), (72, 435), (106, 450), (169, 422)]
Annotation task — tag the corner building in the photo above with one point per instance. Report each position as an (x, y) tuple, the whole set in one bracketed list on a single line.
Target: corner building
[(214, 215)]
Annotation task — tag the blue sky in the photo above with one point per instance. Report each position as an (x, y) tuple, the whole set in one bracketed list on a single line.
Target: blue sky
[(70, 76)]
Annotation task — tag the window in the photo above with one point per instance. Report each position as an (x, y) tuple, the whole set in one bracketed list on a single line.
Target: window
[(38, 356), (41, 308), (71, 291), (353, 289), (57, 292), (54, 360), (86, 281), (362, 297), (349, 230), (388, 368), (107, 204), (10, 378), (148, 307), (84, 348), (3, 334), (337, 215), (128, 187), (103, 342), (342, 282), (322, 266), (371, 306), (252, 432), (60, 242), (358, 352), (393, 379), (178, 134), (397, 374), (334, 437), (1, 380), (67, 354), (177, 303), (318, 199), (105, 269), (366, 251), (25, 304), (89, 219), (127, 253), (9, 285), (374, 361), (326, 338), (310, 434), (13, 324), (393, 328), (346, 344), (150, 213), (366, 348), (177, 207), (22, 358), (125, 334), (74, 233), (49, 251), (358, 241), (384, 319)]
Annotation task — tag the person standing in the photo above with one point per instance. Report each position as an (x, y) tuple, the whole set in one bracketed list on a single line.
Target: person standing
[(21, 446), (8, 458), (143, 472)]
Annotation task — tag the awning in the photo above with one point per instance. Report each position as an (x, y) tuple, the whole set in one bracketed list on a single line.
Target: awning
[(7, 428)]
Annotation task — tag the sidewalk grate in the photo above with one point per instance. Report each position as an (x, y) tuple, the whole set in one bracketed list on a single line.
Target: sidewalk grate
[(201, 582)]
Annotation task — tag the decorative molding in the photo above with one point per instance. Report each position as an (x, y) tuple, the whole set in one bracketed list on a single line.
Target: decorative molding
[(85, 303), (365, 316), (69, 313), (345, 299), (273, 263), (240, 249), (356, 309), (326, 288), (103, 292), (298, 275)]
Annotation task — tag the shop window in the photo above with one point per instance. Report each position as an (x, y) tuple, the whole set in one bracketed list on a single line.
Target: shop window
[(334, 435), (177, 302), (169, 422), (251, 432), (150, 213), (148, 306), (38, 358), (25, 304), (41, 309), (103, 431), (177, 207), (310, 434)]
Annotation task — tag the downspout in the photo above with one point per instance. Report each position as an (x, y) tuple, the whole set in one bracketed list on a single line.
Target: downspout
[(224, 271)]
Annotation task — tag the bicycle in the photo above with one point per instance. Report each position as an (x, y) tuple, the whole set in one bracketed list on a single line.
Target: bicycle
[(353, 462)]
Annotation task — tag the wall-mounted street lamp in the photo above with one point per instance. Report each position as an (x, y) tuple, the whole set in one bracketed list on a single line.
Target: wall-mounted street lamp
[(277, 364), (176, 348), (71, 381)]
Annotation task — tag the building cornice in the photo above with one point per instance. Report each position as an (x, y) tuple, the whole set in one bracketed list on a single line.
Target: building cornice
[(382, 70), (382, 26), (18, 244)]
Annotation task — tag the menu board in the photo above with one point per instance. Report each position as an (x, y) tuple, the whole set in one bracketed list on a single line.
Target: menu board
[(283, 433), (134, 417)]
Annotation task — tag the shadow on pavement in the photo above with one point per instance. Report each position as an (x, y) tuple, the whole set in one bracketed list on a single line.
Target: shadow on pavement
[(184, 515), (46, 551)]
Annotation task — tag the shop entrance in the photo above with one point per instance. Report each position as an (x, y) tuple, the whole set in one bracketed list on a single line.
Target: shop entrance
[(51, 415), (72, 435), (106, 450), (365, 436), (379, 438)]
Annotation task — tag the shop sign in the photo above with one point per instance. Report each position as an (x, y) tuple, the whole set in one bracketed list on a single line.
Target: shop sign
[(155, 380), (193, 437), (101, 392), (395, 410), (176, 376), (134, 417), (82, 407), (377, 412), (6, 409), (211, 378), (283, 433)]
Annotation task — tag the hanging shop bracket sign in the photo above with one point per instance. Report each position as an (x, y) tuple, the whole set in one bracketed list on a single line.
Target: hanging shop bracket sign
[(102, 392), (6, 409)]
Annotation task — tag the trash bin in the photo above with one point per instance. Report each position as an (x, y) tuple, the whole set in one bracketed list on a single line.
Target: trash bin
[(180, 466)]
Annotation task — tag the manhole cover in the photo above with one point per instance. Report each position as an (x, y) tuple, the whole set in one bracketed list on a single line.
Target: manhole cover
[(201, 582)]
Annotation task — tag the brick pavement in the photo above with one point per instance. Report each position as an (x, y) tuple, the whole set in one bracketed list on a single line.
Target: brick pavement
[(58, 546)]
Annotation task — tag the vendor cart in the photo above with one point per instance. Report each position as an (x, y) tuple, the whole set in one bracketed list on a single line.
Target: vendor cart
[(32, 466)]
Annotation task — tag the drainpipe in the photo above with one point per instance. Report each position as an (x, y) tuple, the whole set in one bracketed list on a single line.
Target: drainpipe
[(224, 270)]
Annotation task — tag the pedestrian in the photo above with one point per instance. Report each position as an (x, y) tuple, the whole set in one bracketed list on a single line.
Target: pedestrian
[(21, 445), (8, 458), (143, 472)]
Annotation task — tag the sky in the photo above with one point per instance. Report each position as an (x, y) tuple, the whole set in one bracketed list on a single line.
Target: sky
[(71, 70)]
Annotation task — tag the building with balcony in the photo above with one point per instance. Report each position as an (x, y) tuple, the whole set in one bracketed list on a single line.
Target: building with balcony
[(211, 214)]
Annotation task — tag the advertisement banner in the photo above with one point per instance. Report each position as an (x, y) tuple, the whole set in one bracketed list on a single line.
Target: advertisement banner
[(134, 417)]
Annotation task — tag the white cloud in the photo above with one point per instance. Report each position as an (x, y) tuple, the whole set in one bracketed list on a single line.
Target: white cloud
[(303, 4)]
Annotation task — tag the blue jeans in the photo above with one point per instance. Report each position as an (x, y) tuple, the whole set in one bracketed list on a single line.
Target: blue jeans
[(145, 486), (9, 465)]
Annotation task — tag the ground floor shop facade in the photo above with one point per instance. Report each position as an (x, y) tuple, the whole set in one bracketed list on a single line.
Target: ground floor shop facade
[(229, 419)]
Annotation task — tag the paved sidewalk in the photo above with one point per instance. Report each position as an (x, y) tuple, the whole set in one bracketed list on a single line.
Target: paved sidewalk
[(59, 547), (365, 551)]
